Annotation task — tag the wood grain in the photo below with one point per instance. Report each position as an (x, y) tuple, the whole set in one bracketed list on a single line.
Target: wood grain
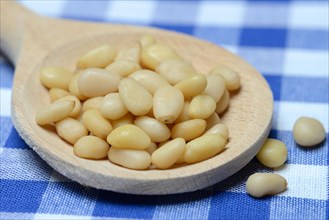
[(41, 41)]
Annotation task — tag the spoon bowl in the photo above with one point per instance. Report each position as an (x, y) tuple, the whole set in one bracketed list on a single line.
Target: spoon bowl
[(32, 41)]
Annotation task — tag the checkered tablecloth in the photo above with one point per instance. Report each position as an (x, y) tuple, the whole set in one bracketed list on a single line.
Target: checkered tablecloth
[(287, 41)]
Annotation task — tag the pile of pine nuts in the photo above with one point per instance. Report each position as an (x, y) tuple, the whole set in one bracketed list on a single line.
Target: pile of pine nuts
[(142, 107)]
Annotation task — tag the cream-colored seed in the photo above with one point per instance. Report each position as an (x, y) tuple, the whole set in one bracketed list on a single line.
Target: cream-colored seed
[(95, 82), (223, 103), (135, 97), (184, 116), (132, 53), (153, 146), (273, 153), (150, 80), (130, 158), (112, 107), (156, 130), (146, 40), (55, 77), (308, 131), (130, 137), (193, 85), (54, 112), (215, 86), (153, 54), (56, 93), (99, 57), (168, 103), (212, 120), (96, 123), (175, 70), (77, 104), (203, 148), (127, 119), (92, 103), (189, 129), (70, 130), (123, 67), (91, 147), (231, 77), (202, 106), (74, 88), (220, 129), (167, 155), (263, 184)]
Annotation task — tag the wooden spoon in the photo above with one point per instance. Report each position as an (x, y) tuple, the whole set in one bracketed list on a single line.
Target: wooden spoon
[(31, 42)]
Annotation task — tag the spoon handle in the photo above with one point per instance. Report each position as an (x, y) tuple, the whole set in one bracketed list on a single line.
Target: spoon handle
[(15, 20)]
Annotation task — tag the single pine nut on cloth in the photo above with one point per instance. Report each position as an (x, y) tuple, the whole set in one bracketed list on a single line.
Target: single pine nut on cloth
[(273, 153), (308, 131), (264, 184), (140, 107)]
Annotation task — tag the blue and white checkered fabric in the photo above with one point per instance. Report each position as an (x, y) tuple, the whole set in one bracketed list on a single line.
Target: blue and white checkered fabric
[(287, 41)]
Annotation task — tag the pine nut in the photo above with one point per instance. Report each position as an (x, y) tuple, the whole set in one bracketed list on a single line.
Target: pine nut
[(55, 77), (166, 156), (156, 130), (95, 82), (71, 130), (54, 112), (308, 131), (91, 147), (189, 129), (130, 158), (96, 123), (99, 57), (168, 103), (202, 106), (135, 97), (263, 184), (273, 153), (203, 148), (193, 85), (129, 137), (112, 107)]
